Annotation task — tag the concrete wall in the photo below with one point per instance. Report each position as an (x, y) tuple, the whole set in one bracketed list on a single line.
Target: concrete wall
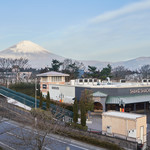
[(141, 122), (119, 126), (68, 93), (125, 128)]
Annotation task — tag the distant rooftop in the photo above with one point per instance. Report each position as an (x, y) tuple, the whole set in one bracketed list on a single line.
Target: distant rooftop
[(52, 73), (122, 115), (92, 83)]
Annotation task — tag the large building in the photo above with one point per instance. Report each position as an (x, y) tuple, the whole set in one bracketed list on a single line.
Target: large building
[(107, 95)]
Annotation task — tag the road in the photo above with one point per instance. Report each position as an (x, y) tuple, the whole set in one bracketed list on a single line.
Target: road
[(15, 137)]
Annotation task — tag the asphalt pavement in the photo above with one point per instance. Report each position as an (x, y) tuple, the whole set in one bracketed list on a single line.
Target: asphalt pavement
[(15, 137)]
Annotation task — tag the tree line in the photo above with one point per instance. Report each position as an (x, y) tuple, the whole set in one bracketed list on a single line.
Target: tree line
[(74, 68)]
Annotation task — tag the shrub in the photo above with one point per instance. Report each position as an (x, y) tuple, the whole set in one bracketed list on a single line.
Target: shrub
[(26, 88), (79, 126)]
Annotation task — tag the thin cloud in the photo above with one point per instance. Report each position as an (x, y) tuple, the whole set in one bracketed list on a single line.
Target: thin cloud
[(124, 33), (134, 7)]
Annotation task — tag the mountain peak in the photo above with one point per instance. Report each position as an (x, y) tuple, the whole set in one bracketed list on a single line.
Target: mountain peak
[(27, 47), (38, 56)]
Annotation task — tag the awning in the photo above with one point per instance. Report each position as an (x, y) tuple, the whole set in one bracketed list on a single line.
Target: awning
[(130, 99)]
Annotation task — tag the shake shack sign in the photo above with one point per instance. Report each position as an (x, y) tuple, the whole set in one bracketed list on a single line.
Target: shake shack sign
[(136, 91)]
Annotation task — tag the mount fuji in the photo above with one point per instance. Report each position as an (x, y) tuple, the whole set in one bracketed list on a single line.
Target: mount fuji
[(38, 56)]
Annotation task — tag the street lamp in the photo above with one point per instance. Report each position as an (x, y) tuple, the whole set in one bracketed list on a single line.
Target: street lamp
[(35, 100), (35, 93), (61, 96)]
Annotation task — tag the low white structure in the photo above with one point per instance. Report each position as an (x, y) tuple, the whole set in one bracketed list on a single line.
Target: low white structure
[(132, 127)]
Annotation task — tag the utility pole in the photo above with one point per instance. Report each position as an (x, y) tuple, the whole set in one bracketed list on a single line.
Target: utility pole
[(35, 99), (35, 93)]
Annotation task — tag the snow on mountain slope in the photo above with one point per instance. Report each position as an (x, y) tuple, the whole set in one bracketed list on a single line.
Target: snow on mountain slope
[(23, 48), (38, 56)]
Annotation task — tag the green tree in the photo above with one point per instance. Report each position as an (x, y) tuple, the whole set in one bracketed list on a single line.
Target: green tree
[(93, 72), (75, 111), (106, 72), (87, 99), (55, 65), (83, 113), (92, 69), (41, 100), (47, 101)]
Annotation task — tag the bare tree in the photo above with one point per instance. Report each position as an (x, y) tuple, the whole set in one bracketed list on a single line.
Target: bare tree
[(41, 124), (120, 72), (145, 71), (21, 62), (10, 68), (72, 67), (5, 65)]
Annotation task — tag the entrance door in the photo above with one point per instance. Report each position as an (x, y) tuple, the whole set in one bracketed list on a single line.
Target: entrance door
[(98, 107), (142, 134)]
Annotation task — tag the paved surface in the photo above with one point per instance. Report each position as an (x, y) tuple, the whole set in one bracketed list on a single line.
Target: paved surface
[(12, 135), (96, 124)]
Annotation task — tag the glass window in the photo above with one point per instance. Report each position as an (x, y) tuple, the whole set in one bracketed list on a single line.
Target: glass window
[(44, 78), (44, 86)]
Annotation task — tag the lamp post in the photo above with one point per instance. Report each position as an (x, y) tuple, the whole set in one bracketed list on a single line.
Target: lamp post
[(61, 96), (35, 100), (35, 93)]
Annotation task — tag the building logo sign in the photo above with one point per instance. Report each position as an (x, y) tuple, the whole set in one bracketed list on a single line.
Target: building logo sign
[(55, 88), (136, 91)]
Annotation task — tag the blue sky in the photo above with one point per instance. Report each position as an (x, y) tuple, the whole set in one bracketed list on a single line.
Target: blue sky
[(110, 30)]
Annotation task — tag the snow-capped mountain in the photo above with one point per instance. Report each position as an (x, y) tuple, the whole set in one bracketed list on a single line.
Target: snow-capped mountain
[(26, 47), (38, 56)]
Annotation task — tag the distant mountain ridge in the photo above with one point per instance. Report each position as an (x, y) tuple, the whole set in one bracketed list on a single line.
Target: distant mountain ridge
[(39, 57), (132, 64)]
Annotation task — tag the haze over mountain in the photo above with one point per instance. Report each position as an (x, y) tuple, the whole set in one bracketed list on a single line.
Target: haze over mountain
[(39, 57)]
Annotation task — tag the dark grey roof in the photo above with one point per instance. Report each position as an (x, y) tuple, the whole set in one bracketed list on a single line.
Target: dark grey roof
[(52, 73)]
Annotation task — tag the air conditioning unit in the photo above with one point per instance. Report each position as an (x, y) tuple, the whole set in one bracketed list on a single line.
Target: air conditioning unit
[(109, 129), (132, 133)]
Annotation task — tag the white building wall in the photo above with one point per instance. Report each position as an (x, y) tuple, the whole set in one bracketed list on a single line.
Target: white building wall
[(68, 93)]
